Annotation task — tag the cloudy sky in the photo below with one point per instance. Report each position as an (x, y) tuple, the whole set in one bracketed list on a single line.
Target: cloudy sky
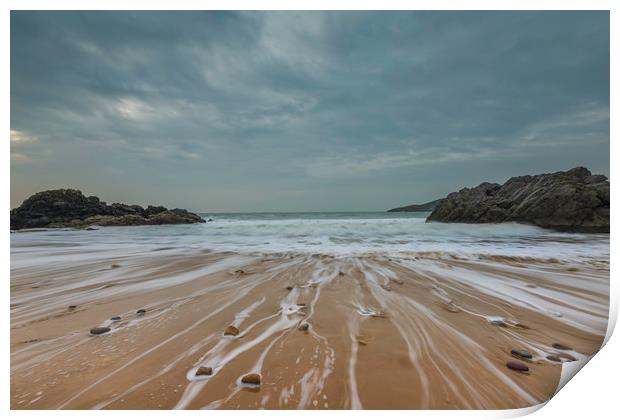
[(303, 111)]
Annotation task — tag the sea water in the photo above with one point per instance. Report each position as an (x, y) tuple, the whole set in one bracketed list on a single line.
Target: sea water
[(338, 234)]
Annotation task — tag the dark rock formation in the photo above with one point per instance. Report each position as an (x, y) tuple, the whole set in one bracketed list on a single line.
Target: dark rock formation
[(70, 208), (430, 206), (574, 200)]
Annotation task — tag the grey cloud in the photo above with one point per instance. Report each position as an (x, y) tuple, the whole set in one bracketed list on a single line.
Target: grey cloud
[(303, 111)]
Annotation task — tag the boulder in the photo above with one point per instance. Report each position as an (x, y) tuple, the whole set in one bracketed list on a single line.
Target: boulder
[(573, 200), (68, 208)]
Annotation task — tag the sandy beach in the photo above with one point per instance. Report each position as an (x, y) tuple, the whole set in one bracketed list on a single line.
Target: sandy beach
[(416, 330)]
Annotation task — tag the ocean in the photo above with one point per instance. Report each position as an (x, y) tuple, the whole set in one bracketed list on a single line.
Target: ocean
[(338, 234)]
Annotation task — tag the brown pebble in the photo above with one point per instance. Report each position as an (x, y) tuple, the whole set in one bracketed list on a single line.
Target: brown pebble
[(521, 353), (114, 266), (567, 356), (522, 326), (204, 371), (251, 378), (450, 307), (239, 272), (560, 346), (301, 304), (99, 330), (514, 365), (572, 269), (289, 288), (362, 340), (115, 318), (554, 358), (341, 273), (72, 307), (231, 330), (141, 311), (304, 327)]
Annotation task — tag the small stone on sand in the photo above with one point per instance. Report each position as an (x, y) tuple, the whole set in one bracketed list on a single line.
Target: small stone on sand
[(115, 318), (567, 356), (251, 378), (341, 273), (521, 353), (231, 330), (204, 371), (239, 272), (72, 307), (498, 322), (114, 266), (289, 288), (450, 307), (514, 365), (304, 327), (560, 346), (141, 311), (99, 330)]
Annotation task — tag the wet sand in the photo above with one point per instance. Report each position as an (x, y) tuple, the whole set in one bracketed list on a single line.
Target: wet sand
[(417, 331)]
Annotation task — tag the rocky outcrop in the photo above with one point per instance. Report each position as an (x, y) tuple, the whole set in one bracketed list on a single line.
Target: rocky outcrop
[(574, 200), (430, 206), (70, 208)]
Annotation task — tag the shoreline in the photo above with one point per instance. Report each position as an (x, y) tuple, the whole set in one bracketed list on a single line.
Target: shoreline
[(430, 330)]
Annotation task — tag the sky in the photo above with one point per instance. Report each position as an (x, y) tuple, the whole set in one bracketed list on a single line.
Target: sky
[(302, 111)]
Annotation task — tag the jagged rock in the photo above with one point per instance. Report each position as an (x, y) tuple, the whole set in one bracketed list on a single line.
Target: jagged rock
[(67, 208), (574, 200)]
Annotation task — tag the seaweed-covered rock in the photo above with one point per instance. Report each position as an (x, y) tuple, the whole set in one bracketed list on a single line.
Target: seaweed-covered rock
[(70, 208)]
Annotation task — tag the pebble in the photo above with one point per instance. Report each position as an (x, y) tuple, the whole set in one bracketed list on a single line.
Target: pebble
[(116, 318), (567, 357), (341, 273), (554, 358), (521, 353), (289, 288), (231, 330), (99, 330), (560, 346), (514, 365), (304, 327), (450, 307), (141, 311), (239, 272), (114, 266), (251, 378), (204, 371), (72, 307), (498, 322)]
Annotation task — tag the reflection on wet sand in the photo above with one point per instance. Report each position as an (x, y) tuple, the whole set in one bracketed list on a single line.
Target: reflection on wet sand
[(423, 330)]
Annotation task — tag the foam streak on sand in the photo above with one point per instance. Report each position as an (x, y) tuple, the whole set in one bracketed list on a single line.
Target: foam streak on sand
[(417, 330)]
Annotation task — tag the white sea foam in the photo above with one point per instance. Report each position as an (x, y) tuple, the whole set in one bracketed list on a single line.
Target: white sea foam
[(329, 233)]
